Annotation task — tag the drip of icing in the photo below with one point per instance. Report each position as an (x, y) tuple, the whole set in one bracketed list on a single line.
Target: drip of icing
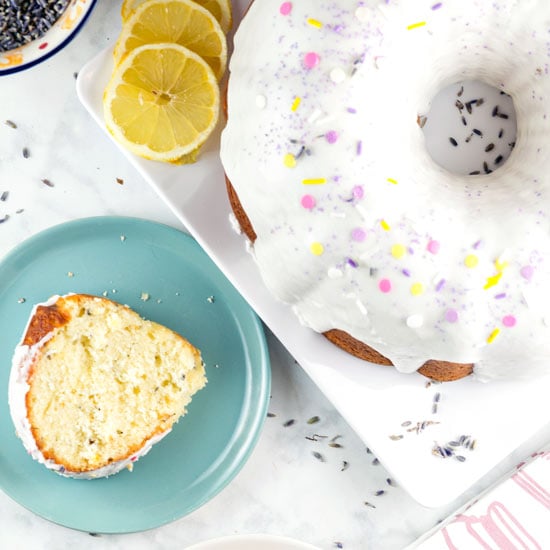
[(445, 223)]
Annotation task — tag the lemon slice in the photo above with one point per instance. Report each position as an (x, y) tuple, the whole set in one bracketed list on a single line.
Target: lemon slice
[(162, 102), (220, 9), (180, 21)]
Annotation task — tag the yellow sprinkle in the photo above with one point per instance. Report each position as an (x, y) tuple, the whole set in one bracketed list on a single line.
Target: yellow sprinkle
[(417, 289), (416, 25), (314, 181), (391, 180), (317, 249), (493, 281), (493, 335), (398, 251), (501, 266), (296, 104), (314, 23), (471, 261), (289, 160), (385, 225)]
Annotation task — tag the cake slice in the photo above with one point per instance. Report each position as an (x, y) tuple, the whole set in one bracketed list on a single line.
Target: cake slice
[(93, 385)]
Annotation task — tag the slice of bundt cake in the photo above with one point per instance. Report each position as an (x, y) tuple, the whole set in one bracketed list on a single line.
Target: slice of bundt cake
[(93, 385)]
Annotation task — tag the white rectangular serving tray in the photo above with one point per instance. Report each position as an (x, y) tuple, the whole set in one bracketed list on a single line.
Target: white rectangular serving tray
[(507, 419)]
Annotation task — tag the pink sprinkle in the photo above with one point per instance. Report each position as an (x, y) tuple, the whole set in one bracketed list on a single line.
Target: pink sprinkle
[(332, 136), (384, 285), (509, 321), (43, 45), (451, 315), (358, 192), (286, 8), (311, 60), (358, 234), (433, 247), (527, 272), (308, 202)]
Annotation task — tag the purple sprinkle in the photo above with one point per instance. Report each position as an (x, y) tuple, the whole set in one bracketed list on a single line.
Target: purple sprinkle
[(352, 263), (332, 136), (358, 234), (440, 285), (358, 192), (437, 6), (451, 315), (406, 272), (527, 272), (351, 110), (500, 296), (476, 245), (359, 147)]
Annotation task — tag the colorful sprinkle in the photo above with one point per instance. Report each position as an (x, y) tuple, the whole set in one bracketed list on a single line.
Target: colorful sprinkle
[(311, 60), (441, 283), (385, 225), (437, 6), (398, 251), (315, 23), (493, 335), (289, 160), (471, 261), (451, 315), (417, 289), (286, 8), (358, 192), (358, 234), (392, 181), (433, 247), (359, 148), (317, 249), (295, 104), (509, 321), (308, 202), (338, 75), (385, 286), (492, 281), (527, 272), (314, 181), (331, 136), (416, 25), (415, 321)]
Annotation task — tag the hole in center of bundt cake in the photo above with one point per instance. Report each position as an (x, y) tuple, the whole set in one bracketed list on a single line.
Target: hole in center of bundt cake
[(470, 128)]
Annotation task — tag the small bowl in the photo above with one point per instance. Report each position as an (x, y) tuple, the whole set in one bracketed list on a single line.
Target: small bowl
[(52, 41)]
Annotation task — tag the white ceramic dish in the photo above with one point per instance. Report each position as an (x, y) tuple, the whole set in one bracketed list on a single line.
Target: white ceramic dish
[(252, 542), (506, 418), (54, 40)]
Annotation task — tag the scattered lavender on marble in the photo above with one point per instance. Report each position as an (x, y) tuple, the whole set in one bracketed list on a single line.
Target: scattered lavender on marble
[(289, 423), (5, 218), (10, 123), (338, 545), (368, 504), (22, 21), (313, 420), (4, 196), (271, 415), (379, 493), (449, 449), (26, 153), (120, 181), (345, 465), (47, 182)]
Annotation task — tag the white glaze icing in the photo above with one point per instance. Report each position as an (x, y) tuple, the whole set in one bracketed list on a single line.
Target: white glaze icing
[(17, 390), (379, 208)]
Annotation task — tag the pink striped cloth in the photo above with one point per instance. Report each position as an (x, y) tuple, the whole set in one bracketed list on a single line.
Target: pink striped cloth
[(515, 515)]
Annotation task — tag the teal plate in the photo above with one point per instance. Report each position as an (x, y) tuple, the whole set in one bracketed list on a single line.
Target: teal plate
[(127, 259)]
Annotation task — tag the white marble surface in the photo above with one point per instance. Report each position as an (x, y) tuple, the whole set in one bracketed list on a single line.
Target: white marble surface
[(283, 489)]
